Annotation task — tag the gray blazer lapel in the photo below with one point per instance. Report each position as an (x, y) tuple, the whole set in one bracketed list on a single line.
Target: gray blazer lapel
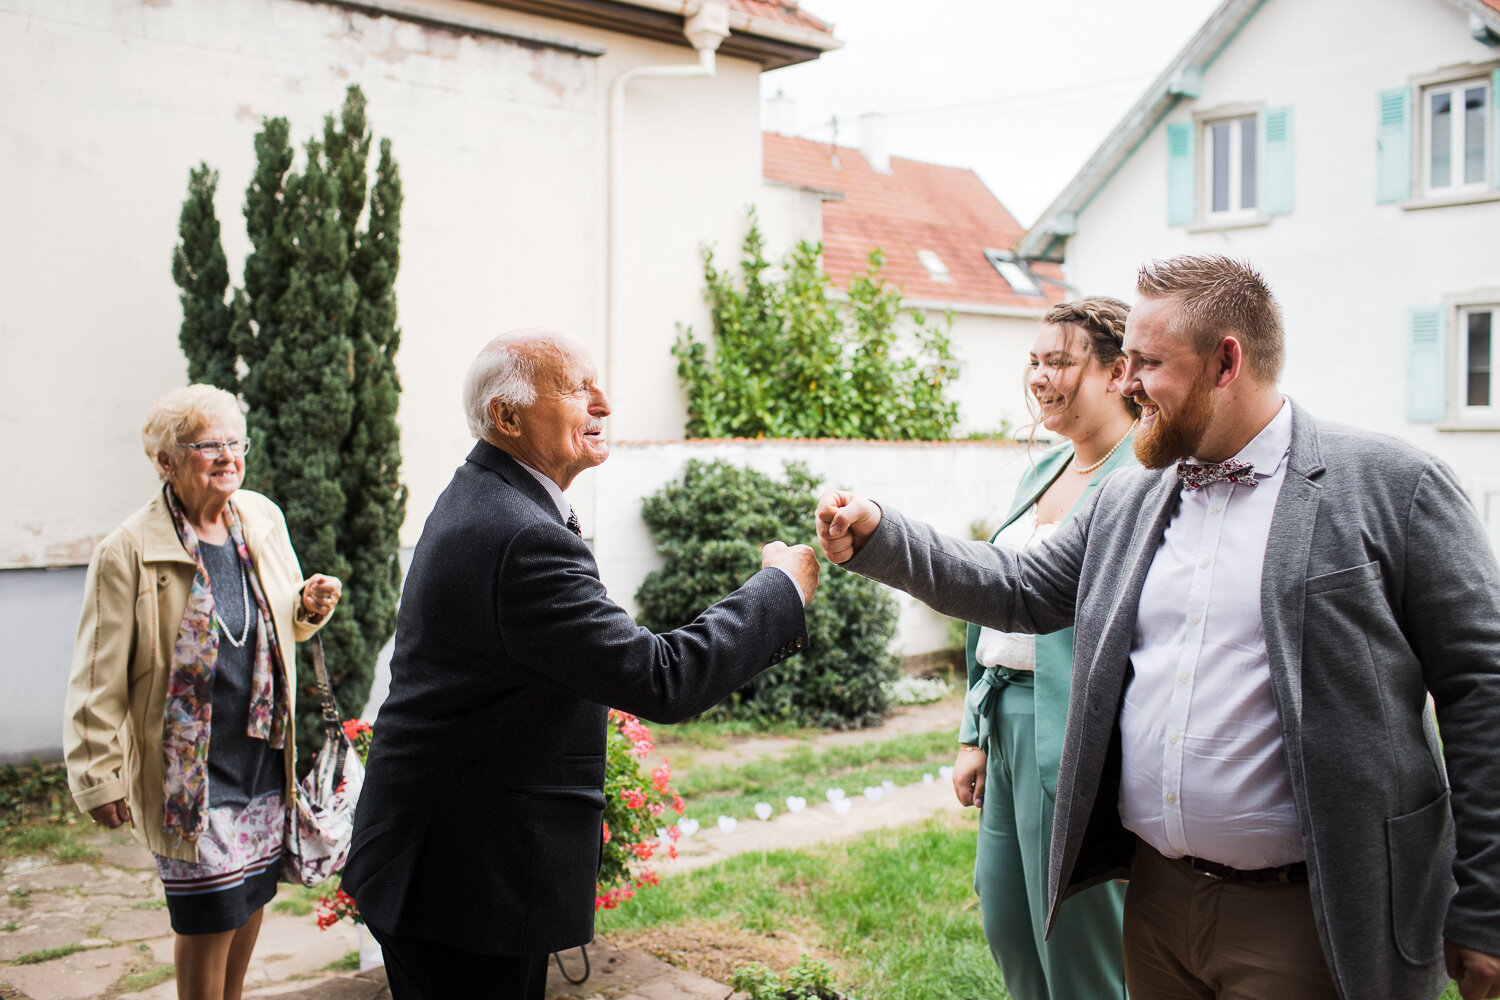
[(1151, 519), (1283, 577)]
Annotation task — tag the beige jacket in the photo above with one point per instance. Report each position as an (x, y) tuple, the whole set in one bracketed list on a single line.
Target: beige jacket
[(134, 598)]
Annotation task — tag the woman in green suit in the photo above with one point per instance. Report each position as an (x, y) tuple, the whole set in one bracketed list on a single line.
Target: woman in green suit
[(1012, 729)]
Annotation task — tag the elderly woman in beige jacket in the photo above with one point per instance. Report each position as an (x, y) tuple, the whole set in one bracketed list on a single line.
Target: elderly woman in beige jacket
[(191, 611)]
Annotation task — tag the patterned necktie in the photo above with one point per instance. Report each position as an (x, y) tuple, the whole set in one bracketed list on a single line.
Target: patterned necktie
[(1194, 475), (573, 524)]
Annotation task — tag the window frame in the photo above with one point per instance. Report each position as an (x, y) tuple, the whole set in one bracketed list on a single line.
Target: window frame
[(1238, 125), (1461, 409), (1455, 86)]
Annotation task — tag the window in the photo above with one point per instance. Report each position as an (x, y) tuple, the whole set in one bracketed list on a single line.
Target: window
[(1450, 364), (1230, 169), (1229, 155), (936, 269), (1437, 143), (1015, 272), (1478, 390), (1455, 141)]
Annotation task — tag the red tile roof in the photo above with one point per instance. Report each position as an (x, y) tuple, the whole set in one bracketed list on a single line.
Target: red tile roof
[(917, 206), (785, 11), (1493, 3)]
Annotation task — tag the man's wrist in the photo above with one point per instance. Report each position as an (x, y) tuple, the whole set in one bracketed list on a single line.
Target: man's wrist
[(800, 595)]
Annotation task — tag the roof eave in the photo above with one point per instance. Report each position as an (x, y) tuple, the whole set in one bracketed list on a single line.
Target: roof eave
[(1484, 20), (773, 44), (1047, 239)]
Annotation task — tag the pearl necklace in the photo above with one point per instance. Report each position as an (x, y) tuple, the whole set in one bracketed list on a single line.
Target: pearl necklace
[(245, 597), (1108, 454)]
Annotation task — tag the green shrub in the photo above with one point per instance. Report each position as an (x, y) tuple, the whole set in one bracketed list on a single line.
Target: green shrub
[(709, 528), (809, 979)]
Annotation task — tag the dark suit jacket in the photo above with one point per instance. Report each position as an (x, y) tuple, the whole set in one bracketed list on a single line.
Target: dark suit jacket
[(480, 821), (1378, 587)]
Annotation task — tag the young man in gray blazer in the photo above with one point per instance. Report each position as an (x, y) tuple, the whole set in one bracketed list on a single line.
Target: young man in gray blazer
[(1249, 740), (478, 835)]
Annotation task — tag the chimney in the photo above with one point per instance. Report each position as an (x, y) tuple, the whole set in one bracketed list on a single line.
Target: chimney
[(781, 114), (872, 141)]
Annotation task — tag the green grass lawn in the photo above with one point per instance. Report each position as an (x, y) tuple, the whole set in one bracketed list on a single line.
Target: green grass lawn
[(894, 911), (734, 791)]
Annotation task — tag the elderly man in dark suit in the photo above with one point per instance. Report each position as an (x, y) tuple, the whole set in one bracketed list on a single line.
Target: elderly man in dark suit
[(1249, 740), (478, 835)]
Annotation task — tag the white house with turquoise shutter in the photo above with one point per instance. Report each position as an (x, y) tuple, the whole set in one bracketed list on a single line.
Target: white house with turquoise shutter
[(1350, 149)]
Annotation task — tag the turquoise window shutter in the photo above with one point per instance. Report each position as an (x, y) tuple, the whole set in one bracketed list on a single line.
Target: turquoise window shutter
[(1393, 145), (1182, 207), (1426, 372), (1276, 174), (1495, 129)]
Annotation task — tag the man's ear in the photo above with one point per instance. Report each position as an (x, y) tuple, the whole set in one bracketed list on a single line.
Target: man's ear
[(506, 418), (1228, 361)]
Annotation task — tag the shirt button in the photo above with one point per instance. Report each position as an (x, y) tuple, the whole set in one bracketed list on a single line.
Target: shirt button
[(1183, 678), (1196, 618), (1171, 797), (1215, 509), (1173, 738), (1206, 563)]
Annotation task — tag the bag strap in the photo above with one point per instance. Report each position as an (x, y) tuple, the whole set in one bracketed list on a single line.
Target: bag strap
[(333, 724)]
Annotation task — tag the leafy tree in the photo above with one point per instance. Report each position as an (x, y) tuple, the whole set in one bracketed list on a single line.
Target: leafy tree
[(200, 269), (788, 358), (709, 527), (314, 335)]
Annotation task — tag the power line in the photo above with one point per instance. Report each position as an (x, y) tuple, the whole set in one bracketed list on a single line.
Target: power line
[(1013, 98)]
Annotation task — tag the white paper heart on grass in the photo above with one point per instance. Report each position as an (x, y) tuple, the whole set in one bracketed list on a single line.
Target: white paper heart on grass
[(888, 785), (834, 794), (874, 792), (687, 827), (946, 771), (927, 778), (842, 806), (795, 803), (763, 810), (728, 823)]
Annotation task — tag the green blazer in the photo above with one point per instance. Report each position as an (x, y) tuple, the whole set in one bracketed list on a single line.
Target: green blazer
[(1053, 679)]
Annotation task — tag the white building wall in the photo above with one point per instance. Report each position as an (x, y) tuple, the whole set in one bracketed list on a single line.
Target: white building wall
[(992, 353), (502, 149), (1345, 269)]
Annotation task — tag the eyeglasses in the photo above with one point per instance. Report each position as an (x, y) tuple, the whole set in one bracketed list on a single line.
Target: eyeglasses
[(214, 450)]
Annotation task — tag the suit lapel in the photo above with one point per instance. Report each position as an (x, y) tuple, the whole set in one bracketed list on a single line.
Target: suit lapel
[(1283, 577), (1118, 631), (489, 457)]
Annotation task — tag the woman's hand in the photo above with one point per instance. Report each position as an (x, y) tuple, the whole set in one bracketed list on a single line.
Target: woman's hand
[(112, 814), (968, 776), (320, 595)]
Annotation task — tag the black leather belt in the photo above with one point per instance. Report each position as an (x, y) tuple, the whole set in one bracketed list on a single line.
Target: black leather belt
[(1285, 874)]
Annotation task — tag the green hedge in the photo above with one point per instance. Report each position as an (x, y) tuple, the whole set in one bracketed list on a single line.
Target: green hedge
[(709, 528)]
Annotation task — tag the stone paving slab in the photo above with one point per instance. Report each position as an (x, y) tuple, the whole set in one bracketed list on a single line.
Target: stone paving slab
[(83, 975), (136, 925)]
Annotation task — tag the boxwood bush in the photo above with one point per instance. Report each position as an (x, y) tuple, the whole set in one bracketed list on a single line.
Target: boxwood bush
[(709, 527)]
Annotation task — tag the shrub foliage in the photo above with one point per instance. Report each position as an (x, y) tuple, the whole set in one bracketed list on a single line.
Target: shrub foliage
[(790, 358), (709, 527)]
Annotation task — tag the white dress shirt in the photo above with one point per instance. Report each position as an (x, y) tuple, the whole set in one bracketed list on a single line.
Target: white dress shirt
[(1204, 772), (1014, 650)]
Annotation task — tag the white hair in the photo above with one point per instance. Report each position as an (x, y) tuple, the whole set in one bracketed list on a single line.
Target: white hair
[(176, 417), (507, 370)]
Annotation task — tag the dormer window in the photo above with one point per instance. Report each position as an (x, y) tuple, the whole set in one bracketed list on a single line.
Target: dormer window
[(936, 269), (1014, 270)]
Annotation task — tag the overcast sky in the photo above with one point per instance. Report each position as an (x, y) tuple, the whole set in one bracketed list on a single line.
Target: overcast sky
[(1020, 91)]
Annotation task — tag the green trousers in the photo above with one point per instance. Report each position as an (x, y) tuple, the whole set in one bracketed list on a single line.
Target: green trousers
[(1082, 960)]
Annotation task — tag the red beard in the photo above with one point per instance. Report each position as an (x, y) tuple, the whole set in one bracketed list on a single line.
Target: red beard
[(1171, 439)]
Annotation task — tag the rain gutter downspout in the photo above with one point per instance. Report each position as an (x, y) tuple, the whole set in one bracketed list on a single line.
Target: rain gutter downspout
[(705, 29)]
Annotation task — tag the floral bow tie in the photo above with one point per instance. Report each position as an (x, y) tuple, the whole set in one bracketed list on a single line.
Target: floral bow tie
[(1195, 476)]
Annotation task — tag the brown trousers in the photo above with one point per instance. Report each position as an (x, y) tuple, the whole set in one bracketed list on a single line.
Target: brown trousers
[(1192, 937)]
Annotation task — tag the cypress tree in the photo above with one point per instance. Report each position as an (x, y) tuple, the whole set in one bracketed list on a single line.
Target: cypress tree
[(315, 333), (201, 271)]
